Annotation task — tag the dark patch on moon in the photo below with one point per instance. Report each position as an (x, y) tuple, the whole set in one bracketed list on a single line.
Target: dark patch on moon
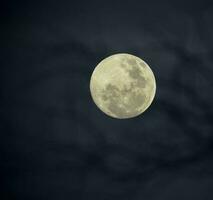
[(135, 74), (113, 96)]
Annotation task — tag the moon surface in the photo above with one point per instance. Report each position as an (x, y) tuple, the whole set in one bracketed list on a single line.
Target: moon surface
[(122, 86)]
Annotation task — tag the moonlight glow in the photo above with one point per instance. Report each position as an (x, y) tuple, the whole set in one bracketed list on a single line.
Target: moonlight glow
[(122, 86)]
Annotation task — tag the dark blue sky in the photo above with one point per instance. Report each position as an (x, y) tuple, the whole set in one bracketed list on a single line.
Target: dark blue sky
[(56, 144)]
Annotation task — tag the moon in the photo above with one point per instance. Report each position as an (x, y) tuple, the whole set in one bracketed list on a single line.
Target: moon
[(122, 86)]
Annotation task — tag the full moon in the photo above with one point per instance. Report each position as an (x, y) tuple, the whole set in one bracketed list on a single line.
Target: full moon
[(122, 86)]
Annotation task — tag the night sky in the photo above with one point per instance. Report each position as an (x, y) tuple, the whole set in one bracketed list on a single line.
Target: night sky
[(55, 144)]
